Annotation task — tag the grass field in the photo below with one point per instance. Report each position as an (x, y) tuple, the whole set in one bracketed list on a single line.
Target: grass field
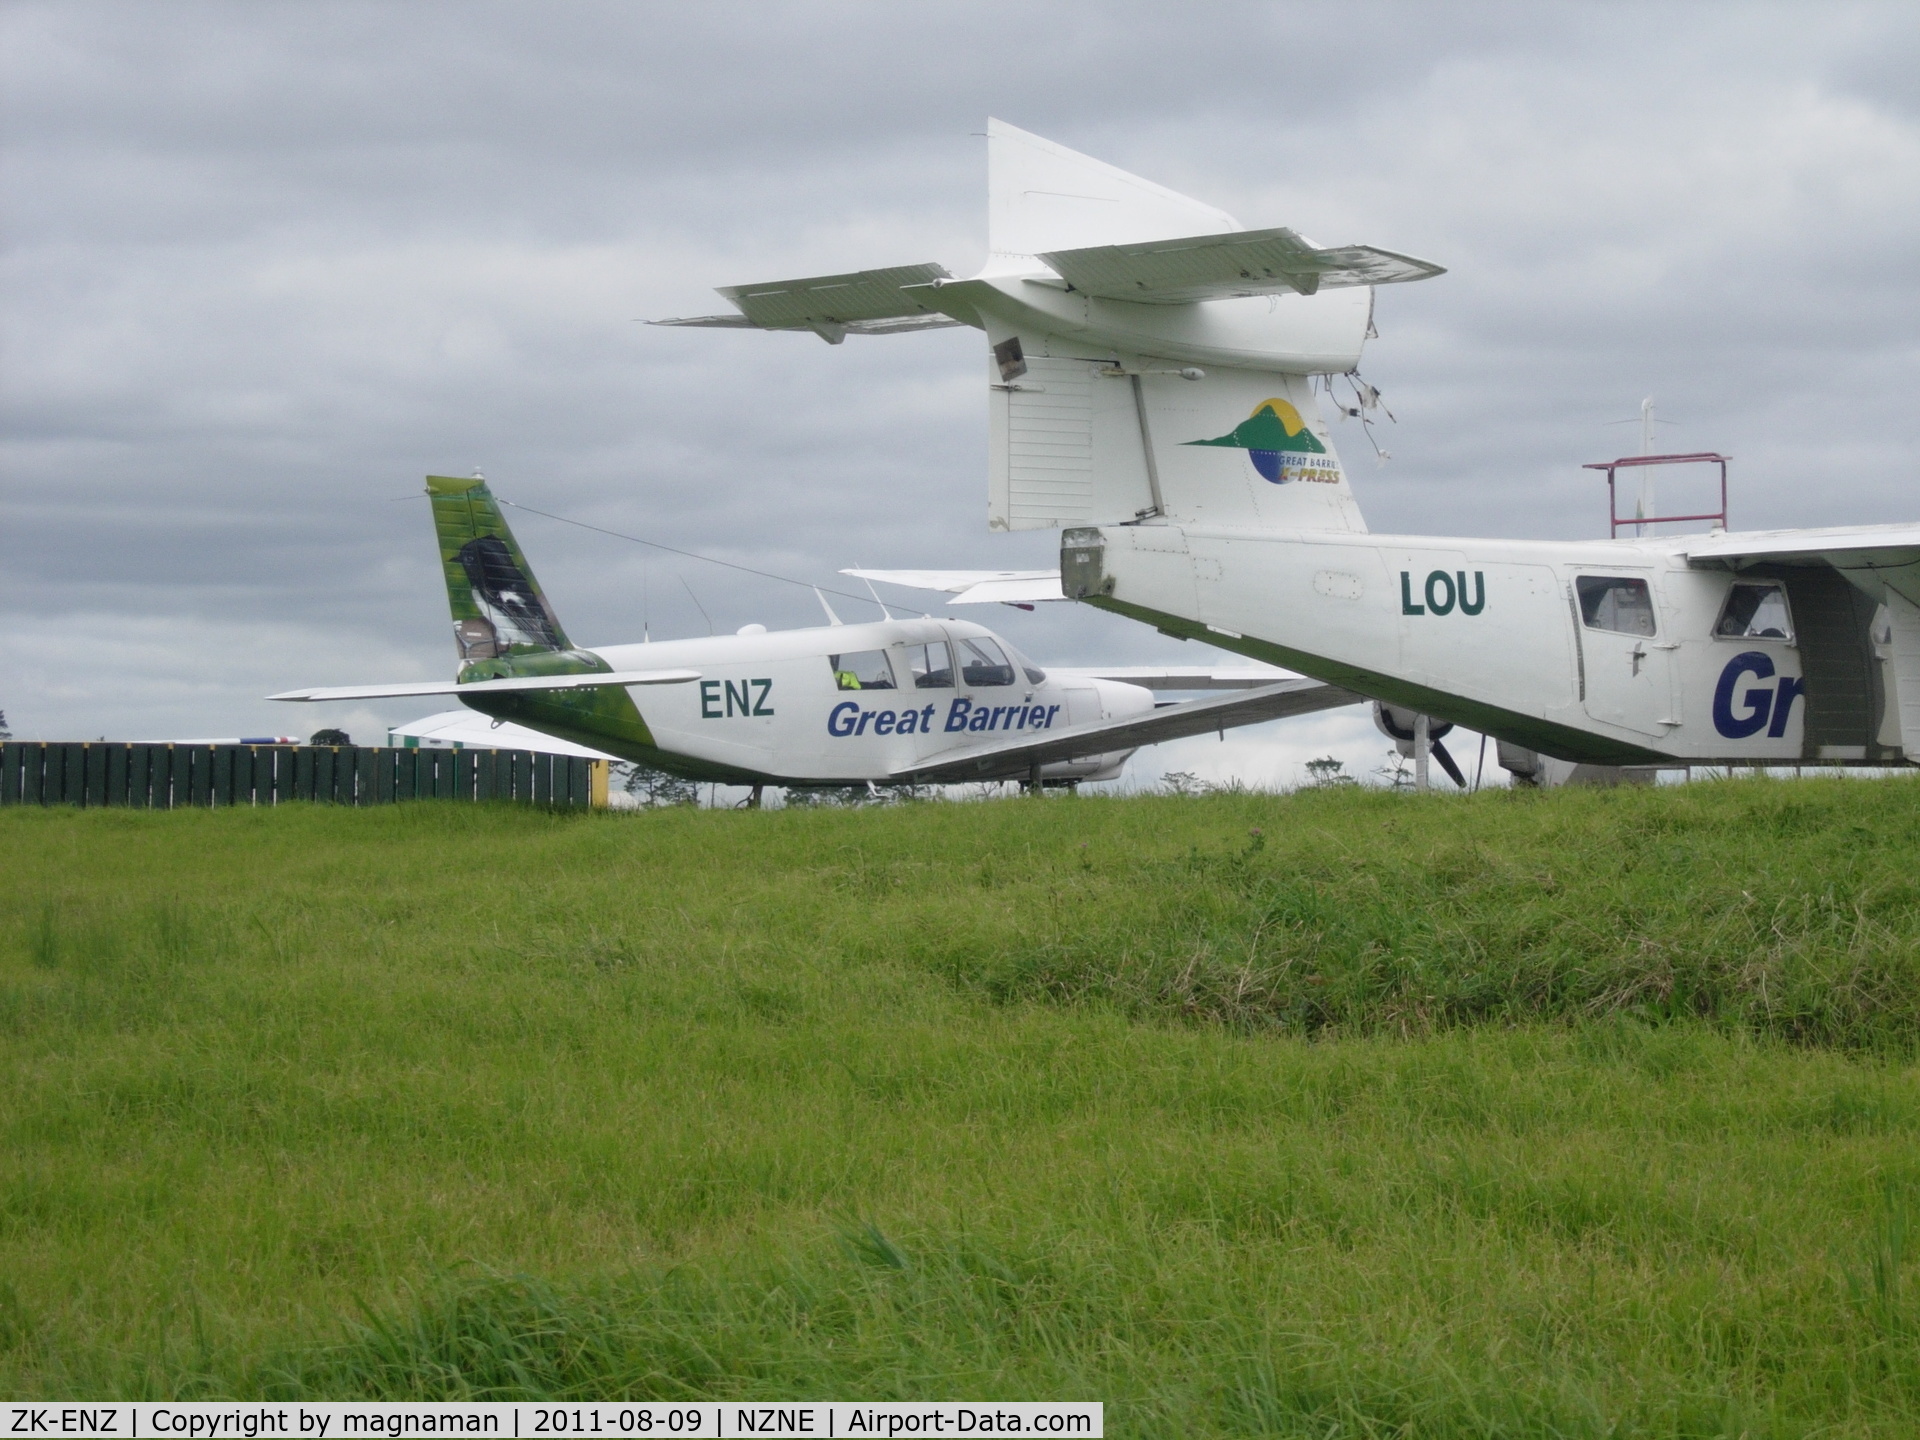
[(1579, 1114)]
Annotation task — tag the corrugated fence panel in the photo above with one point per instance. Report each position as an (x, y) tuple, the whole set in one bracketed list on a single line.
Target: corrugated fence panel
[(116, 774), (139, 776), (11, 761), (73, 774), (164, 777), (33, 780)]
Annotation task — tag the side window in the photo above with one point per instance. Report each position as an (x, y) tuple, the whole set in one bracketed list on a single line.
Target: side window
[(983, 662), (931, 666), (862, 670), (1614, 602), (1755, 612)]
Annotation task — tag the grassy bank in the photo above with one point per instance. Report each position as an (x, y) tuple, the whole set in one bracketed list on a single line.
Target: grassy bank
[(1582, 1114)]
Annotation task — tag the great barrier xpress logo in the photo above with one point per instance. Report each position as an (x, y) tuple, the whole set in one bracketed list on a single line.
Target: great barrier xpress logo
[(1280, 445), (1747, 712)]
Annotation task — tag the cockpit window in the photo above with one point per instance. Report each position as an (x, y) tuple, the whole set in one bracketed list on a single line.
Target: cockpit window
[(983, 662), (862, 670), (1755, 612), (1614, 602), (931, 666), (1035, 675)]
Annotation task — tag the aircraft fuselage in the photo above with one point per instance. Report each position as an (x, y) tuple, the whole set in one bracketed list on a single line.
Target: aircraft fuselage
[(838, 704), (1606, 652)]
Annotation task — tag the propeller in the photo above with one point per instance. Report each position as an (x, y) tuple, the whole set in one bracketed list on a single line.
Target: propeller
[(1397, 725)]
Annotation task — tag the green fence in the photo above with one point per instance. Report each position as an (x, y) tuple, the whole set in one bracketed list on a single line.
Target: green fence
[(166, 777)]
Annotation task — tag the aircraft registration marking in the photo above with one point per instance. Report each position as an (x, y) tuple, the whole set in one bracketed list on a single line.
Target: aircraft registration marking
[(1443, 591), (742, 697)]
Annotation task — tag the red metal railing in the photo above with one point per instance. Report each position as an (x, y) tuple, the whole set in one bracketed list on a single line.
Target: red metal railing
[(1705, 457)]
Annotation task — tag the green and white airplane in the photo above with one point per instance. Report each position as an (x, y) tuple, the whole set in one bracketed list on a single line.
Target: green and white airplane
[(888, 702), (1154, 373)]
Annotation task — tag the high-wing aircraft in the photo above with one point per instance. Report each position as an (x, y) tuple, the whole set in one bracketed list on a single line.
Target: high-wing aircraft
[(1151, 377), (888, 702)]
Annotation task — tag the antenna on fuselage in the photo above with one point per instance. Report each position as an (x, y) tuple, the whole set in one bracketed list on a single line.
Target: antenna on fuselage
[(832, 619)]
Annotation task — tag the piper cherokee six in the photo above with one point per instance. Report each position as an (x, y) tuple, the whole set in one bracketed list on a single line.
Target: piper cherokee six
[(888, 702)]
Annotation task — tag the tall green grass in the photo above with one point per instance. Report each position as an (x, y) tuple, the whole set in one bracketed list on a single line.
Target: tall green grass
[(1576, 1114)]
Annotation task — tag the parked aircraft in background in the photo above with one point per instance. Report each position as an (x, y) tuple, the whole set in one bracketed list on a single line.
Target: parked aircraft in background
[(888, 702), (1025, 589), (1152, 372)]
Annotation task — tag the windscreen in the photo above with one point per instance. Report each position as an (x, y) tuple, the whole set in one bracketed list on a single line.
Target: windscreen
[(1755, 612), (983, 662)]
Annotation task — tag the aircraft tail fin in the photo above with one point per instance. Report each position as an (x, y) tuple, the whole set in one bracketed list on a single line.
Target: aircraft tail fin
[(498, 607), (1075, 440)]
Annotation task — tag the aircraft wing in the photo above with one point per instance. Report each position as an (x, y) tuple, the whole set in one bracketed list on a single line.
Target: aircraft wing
[(584, 681), (1180, 677), (1017, 754), (863, 302), (1219, 267), (975, 587), (1849, 547)]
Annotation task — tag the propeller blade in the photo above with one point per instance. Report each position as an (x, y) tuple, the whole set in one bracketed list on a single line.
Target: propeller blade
[(1439, 753)]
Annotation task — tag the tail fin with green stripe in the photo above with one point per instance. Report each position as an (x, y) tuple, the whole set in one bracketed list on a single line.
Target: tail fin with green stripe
[(498, 607), (506, 629)]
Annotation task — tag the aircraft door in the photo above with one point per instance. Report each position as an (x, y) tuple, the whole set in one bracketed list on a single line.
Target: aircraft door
[(1626, 665)]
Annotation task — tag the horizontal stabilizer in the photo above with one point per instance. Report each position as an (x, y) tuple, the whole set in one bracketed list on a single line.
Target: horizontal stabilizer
[(585, 680), (1219, 267), (1018, 754), (974, 587), (891, 325), (470, 730), (709, 322), (864, 302)]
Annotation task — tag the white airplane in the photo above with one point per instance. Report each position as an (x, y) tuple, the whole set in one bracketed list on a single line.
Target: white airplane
[(889, 702), (1152, 370)]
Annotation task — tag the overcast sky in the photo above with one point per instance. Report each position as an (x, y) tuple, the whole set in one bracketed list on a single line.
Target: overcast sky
[(267, 265)]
